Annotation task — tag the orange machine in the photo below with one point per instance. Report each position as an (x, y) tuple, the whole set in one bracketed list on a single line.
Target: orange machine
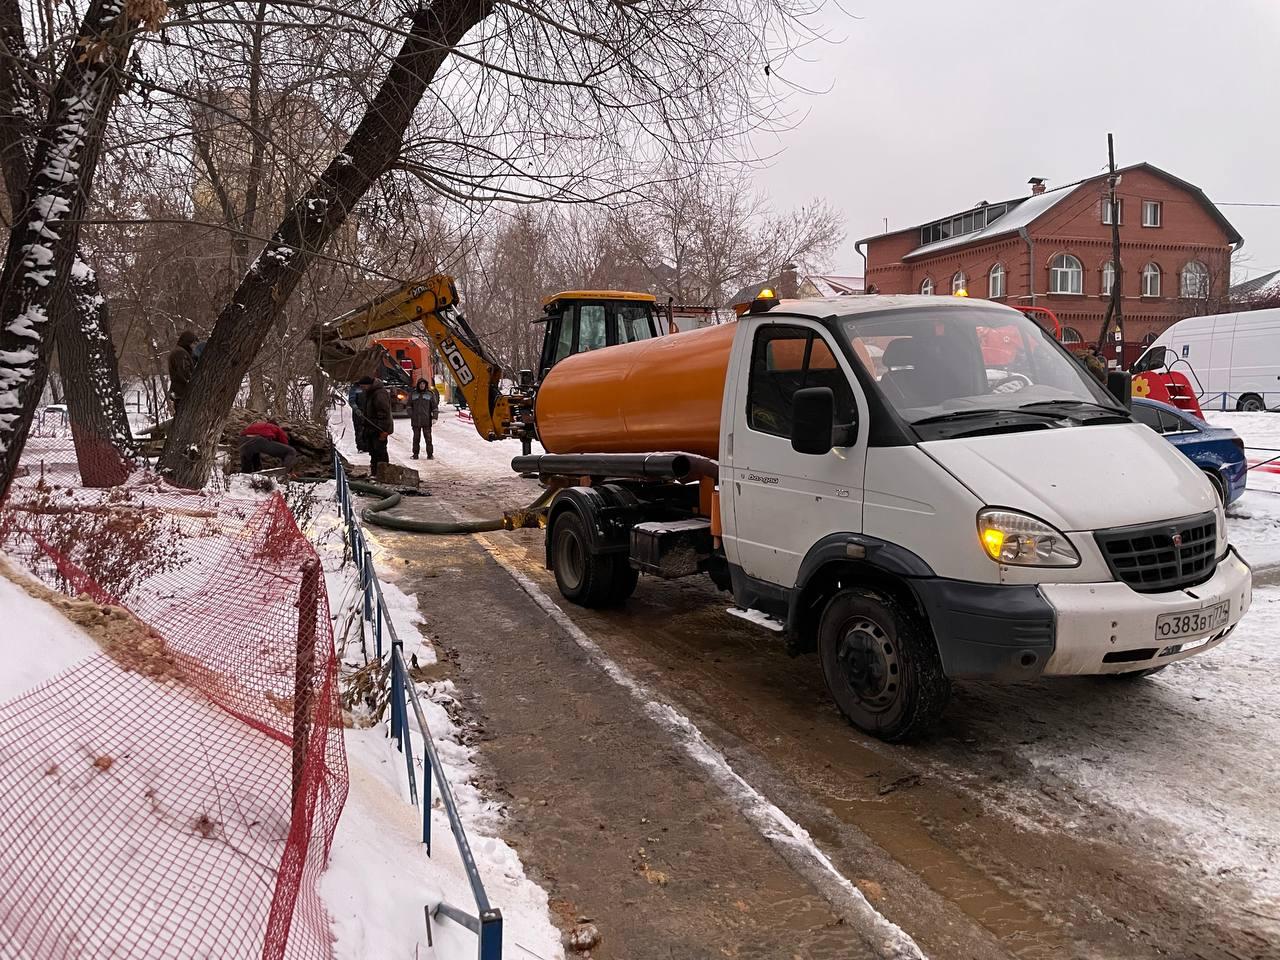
[(662, 394), (411, 353)]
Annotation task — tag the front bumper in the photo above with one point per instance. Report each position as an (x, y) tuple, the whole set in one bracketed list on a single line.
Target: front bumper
[(1109, 628), (1022, 631)]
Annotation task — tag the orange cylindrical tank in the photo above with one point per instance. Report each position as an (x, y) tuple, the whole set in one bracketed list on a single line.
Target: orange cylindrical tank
[(654, 395)]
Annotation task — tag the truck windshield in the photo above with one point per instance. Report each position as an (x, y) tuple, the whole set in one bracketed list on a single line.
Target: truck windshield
[(931, 363)]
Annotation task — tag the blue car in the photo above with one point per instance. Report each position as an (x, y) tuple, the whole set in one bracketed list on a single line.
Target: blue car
[(1218, 451)]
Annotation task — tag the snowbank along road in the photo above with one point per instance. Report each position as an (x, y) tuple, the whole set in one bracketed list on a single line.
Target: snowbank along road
[(1080, 818)]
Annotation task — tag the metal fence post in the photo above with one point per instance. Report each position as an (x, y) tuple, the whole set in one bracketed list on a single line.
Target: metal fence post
[(397, 702), (426, 798), (368, 588), (304, 670), (490, 934)]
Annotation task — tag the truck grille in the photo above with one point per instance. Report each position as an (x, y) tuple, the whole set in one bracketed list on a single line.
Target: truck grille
[(1162, 556)]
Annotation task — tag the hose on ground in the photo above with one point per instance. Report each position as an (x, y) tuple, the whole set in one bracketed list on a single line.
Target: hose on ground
[(376, 514)]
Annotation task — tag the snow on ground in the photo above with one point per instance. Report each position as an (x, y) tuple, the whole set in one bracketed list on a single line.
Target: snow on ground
[(1254, 520), (29, 622), (380, 877)]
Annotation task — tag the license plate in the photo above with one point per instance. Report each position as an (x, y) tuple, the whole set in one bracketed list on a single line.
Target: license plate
[(1192, 623)]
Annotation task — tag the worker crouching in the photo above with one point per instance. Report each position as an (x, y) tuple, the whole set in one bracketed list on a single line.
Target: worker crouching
[(265, 438)]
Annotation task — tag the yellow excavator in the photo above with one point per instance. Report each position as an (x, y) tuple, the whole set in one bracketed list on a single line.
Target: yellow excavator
[(576, 321)]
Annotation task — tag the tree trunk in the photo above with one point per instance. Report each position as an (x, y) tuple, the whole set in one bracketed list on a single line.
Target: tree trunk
[(86, 355), (43, 242), (319, 391), (244, 323)]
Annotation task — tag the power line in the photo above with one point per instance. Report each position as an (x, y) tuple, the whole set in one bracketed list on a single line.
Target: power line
[(1249, 204)]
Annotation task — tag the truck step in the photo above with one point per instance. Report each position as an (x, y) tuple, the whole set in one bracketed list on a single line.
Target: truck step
[(759, 618)]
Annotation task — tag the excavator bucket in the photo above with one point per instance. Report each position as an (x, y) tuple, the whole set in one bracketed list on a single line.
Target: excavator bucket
[(346, 364)]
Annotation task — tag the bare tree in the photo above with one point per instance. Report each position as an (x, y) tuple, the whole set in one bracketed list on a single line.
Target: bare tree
[(573, 100), (78, 311), (41, 252)]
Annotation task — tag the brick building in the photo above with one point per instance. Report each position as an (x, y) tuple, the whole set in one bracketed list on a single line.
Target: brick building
[(1053, 249)]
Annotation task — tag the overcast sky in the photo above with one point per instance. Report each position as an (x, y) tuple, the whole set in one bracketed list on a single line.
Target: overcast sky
[(934, 105)]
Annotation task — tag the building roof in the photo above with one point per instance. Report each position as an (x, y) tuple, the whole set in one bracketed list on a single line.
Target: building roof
[(1025, 210), (835, 285), (1267, 285)]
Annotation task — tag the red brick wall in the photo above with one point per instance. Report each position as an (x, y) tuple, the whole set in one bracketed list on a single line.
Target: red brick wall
[(1074, 226)]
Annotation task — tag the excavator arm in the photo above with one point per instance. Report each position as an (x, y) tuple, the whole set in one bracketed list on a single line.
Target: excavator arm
[(433, 303)]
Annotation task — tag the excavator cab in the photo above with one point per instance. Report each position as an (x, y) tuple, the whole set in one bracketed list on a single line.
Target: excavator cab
[(581, 320)]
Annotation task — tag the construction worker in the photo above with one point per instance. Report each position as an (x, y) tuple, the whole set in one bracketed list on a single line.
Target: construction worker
[(378, 424), (182, 365), (265, 437), (424, 407)]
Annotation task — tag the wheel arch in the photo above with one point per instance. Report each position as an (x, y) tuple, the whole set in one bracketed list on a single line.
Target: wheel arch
[(606, 515), (848, 559)]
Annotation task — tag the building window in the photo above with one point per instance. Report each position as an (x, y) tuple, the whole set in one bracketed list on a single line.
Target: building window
[(1151, 280), (1071, 335), (1150, 338), (926, 288), (959, 282), (1195, 280), (1066, 275), (1108, 278), (995, 282), (1106, 210), (1152, 211)]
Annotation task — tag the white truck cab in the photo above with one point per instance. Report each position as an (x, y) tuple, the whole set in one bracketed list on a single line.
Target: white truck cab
[(923, 488)]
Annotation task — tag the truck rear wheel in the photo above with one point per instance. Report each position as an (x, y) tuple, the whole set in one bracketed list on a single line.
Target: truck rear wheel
[(588, 579), (881, 665)]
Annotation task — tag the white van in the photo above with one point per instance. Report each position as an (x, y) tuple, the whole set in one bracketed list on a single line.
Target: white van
[(916, 489), (1231, 359)]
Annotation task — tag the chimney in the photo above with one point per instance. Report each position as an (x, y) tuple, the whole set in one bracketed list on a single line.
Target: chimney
[(788, 284), (1037, 186)]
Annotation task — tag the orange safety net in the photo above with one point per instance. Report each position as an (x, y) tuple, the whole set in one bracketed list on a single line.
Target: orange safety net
[(153, 802)]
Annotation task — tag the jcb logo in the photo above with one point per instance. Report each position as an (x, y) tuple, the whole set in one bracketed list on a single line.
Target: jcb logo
[(460, 368)]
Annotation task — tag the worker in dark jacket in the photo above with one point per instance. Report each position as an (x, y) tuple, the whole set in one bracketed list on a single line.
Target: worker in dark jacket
[(378, 424), (265, 437), (424, 407), (182, 364)]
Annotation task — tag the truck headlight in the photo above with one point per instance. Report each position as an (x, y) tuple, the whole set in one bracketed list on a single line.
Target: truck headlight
[(1021, 540)]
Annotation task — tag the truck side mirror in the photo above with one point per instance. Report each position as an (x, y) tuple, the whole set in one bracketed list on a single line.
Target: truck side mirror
[(1120, 384), (813, 417)]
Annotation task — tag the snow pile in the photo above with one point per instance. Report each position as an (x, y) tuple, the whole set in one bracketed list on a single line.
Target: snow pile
[(380, 877), (32, 625)]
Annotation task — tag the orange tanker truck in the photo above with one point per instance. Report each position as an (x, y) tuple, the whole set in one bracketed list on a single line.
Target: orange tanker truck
[(864, 482)]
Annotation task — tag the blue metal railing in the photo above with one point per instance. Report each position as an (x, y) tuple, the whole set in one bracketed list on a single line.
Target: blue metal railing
[(1227, 400), (403, 698)]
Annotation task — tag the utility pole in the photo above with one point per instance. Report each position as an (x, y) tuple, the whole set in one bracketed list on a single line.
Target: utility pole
[(1115, 310)]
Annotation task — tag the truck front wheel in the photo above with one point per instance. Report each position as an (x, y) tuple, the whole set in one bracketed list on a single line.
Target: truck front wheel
[(585, 578), (881, 666)]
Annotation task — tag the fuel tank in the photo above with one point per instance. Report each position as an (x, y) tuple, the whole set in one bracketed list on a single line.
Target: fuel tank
[(654, 395)]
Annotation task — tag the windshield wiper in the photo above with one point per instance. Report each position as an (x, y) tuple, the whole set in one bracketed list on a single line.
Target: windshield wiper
[(1107, 410), (984, 412)]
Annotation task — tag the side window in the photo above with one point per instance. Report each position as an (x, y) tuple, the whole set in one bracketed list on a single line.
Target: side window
[(591, 327), (784, 360), (633, 323), (1147, 415), (1172, 424), (564, 336)]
